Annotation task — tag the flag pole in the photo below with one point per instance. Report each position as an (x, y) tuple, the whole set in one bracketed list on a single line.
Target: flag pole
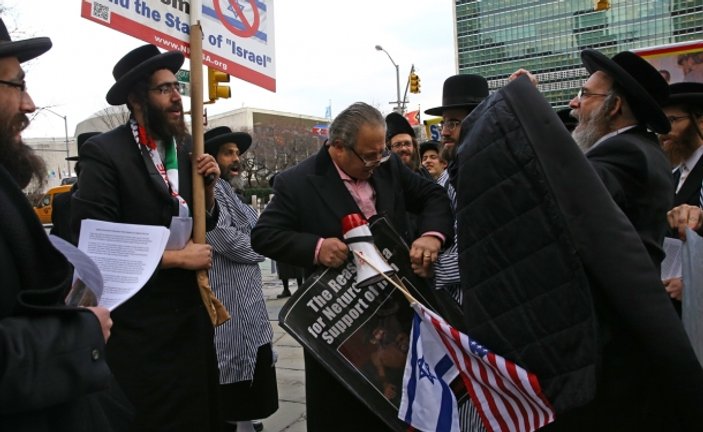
[(218, 313), (399, 284)]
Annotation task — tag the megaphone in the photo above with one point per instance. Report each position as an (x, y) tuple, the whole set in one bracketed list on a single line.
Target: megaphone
[(358, 237)]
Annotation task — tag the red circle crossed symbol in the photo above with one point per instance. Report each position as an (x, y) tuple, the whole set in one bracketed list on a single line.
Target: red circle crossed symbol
[(250, 29)]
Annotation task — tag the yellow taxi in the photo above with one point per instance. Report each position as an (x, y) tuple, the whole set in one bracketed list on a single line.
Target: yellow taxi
[(46, 203)]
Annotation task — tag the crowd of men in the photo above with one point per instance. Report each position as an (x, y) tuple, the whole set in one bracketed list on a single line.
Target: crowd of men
[(157, 363)]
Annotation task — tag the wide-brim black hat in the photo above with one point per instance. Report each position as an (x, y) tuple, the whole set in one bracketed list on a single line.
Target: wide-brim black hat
[(139, 64), (397, 124), (685, 93), (429, 145), (80, 140), (214, 138), (24, 49), (461, 91), (643, 86)]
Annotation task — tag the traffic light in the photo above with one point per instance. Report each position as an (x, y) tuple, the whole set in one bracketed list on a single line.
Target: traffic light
[(414, 83), (215, 89), (601, 5)]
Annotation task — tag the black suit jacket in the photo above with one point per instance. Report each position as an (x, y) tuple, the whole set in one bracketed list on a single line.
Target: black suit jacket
[(636, 173), (166, 318), (691, 189), (309, 203)]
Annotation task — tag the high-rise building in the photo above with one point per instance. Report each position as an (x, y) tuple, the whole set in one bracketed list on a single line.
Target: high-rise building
[(496, 37)]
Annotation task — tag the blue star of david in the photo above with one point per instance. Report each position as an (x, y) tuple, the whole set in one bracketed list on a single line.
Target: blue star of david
[(425, 371)]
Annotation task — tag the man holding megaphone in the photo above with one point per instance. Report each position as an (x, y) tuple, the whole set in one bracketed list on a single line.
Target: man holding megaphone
[(353, 172)]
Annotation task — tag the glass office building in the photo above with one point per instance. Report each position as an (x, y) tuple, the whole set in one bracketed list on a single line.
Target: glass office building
[(496, 37)]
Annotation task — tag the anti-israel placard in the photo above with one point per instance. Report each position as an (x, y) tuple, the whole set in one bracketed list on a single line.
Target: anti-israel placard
[(238, 36), (361, 335)]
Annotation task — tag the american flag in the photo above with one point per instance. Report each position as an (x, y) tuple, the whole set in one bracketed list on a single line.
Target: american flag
[(507, 397)]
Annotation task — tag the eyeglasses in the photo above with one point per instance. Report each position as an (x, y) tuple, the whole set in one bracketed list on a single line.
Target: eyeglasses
[(399, 144), (385, 155), (673, 119), (22, 86), (167, 88), (449, 124), (583, 93)]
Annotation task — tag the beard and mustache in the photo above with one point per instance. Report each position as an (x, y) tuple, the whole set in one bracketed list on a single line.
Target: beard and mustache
[(234, 180), (593, 127), (681, 148), (160, 126), (18, 158)]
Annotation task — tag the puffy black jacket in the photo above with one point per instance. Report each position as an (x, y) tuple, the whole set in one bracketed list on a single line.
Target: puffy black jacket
[(555, 277)]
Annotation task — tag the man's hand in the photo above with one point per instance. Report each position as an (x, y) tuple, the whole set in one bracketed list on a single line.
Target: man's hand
[(333, 252), (206, 165), (103, 316), (674, 287), (520, 72), (423, 253), (685, 216), (194, 256)]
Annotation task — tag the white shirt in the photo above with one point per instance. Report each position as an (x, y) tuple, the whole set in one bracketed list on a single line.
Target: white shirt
[(686, 166)]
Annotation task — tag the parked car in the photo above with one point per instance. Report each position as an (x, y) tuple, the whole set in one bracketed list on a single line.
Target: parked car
[(46, 203), (69, 180)]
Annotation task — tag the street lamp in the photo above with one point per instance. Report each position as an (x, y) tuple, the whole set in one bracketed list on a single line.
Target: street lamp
[(65, 126), (397, 78)]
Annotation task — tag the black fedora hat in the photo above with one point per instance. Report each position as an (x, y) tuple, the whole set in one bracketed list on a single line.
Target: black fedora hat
[(643, 86), (429, 145), (24, 49), (214, 138), (138, 64), (461, 91), (80, 139), (397, 124), (685, 93)]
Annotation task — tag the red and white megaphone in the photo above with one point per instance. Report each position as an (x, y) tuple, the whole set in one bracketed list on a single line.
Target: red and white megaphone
[(358, 237)]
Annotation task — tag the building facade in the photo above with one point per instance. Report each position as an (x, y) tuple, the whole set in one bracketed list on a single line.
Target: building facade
[(497, 37)]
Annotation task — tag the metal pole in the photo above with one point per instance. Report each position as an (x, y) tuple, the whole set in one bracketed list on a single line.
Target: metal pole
[(65, 129), (398, 107), (397, 88)]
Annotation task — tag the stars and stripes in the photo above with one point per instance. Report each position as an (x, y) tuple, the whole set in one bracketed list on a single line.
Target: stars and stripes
[(508, 398)]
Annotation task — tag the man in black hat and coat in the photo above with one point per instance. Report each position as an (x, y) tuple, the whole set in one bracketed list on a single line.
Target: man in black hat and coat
[(400, 138), (248, 388), (61, 212), (162, 352), (684, 147), (53, 356)]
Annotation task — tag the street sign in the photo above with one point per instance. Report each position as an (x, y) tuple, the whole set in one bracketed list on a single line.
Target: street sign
[(183, 76), (184, 88)]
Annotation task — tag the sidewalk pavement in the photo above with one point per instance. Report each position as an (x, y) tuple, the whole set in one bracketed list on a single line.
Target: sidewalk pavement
[(290, 369)]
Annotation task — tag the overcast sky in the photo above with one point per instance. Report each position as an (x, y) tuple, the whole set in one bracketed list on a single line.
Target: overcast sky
[(324, 51)]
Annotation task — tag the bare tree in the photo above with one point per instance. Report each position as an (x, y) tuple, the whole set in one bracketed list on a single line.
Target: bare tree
[(113, 116)]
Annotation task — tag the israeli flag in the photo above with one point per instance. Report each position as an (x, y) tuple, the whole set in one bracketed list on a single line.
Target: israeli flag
[(428, 404)]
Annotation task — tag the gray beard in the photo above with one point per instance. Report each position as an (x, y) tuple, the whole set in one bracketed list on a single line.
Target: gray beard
[(590, 130)]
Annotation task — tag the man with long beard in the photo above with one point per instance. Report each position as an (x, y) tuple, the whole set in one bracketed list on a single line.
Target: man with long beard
[(617, 109), (684, 147), (53, 356), (162, 351), (248, 388)]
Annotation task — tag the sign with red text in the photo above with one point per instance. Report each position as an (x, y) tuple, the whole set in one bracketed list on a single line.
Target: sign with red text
[(677, 62), (238, 35)]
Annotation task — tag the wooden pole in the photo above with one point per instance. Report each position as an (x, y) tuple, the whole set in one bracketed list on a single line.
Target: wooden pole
[(399, 284), (218, 313)]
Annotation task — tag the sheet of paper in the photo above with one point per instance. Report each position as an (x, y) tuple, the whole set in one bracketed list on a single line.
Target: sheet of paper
[(87, 286), (692, 301), (671, 266), (181, 229), (126, 255)]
